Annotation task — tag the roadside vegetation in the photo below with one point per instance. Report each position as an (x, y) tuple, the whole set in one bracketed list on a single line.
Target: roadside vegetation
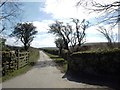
[(101, 59), (53, 54), (18, 60), (71, 42), (33, 57)]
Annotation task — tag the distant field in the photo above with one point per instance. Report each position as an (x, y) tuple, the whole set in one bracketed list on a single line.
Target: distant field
[(52, 48)]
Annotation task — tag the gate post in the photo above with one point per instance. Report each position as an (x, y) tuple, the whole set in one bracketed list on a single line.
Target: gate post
[(17, 54)]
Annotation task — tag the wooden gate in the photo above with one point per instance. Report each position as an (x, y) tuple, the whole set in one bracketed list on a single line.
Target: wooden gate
[(13, 60)]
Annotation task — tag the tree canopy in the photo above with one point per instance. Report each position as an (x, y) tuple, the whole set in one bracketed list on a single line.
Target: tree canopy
[(59, 44), (25, 32), (62, 31), (71, 34)]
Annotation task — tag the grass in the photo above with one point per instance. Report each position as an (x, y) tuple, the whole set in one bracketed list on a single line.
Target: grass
[(16, 73), (61, 63), (33, 57)]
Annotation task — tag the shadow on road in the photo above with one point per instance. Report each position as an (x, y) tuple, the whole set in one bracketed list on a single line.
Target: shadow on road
[(42, 64), (111, 83), (93, 80)]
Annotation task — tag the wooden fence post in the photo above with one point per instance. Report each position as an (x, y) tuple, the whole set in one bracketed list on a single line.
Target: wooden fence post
[(28, 57), (14, 60), (17, 54)]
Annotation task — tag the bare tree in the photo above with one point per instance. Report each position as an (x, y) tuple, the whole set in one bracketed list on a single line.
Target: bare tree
[(110, 12), (62, 31), (73, 40), (9, 13), (109, 15), (71, 36), (108, 34), (80, 28)]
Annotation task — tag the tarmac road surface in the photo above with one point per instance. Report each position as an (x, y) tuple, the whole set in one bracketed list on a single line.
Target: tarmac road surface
[(44, 75)]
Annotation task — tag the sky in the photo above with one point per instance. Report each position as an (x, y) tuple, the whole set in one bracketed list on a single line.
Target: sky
[(42, 13)]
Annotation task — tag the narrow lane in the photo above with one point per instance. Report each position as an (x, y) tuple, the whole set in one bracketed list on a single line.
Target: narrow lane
[(44, 75)]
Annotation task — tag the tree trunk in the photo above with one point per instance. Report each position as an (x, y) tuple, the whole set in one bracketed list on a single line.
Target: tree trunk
[(26, 47), (66, 45), (60, 51)]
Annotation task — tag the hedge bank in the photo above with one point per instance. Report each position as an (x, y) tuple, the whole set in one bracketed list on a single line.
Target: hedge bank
[(105, 62)]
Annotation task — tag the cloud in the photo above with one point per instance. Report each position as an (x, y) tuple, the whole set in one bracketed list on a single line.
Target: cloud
[(93, 35), (42, 26), (62, 9), (26, 0), (40, 41), (95, 39), (43, 38), (12, 41)]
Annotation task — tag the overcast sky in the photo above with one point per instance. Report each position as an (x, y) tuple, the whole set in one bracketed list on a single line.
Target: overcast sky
[(42, 13)]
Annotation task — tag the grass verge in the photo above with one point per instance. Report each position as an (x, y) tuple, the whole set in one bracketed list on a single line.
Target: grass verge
[(33, 57), (16, 73), (61, 63)]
